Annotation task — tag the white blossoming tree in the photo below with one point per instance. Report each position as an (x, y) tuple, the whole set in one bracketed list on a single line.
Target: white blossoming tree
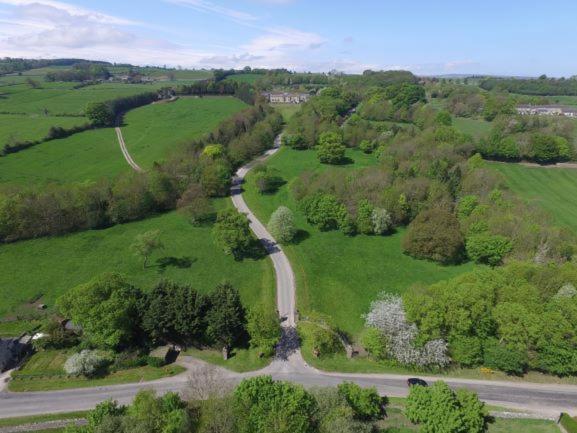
[(85, 363), (387, 314)]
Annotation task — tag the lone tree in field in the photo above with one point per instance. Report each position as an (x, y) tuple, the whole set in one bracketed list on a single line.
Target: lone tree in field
[(100, 114), (145, 244), (282, 225), (330, 148), (232, 233)]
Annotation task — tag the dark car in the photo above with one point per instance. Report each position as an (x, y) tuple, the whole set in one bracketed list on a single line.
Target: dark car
[(416, 381)]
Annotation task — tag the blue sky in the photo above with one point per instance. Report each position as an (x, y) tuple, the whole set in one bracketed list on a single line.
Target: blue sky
[(428, 37)]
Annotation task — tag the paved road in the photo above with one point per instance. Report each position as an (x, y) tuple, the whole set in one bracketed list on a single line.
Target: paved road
[(546, 399)]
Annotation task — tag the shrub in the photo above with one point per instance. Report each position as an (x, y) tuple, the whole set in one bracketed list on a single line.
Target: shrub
[(365, 402), (330, 149), (375, 343), (153, 361), (364, 217), (324, 211), (467, 205), (196, 205), (213, 151), (86, 363), (487, 248), (504, 358), (282, 226), (267, 181), (264, 328), (321, 337), (296, 141), (367, 146), (440, 409), (435, 235), (466, 351), (382, 221)]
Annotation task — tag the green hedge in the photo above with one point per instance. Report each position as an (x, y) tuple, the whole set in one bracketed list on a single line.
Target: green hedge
[(568, 423)]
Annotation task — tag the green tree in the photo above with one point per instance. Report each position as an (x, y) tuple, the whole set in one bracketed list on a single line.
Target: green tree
[(324, 211), (100, 113), (263, 327), (435, 234), (364, 217), (375, 343), (232, 233), (439, 409), (282, 226), (330, 148), (145, 244), (226, 318), (265, 406), (487, 248), (106, 308), (504, 358), (366, 403), (213, 151), (444, 118)]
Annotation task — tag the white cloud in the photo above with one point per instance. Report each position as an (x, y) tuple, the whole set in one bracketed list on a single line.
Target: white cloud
[(209, 7), (71, 10), (280, 38)]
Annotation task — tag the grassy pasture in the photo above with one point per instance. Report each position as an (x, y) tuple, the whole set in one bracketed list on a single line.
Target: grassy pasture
[(32, 127), (61, 98), (287, 110), (336, 274), (51, 266), (477, 128), (151, 132), (554, 189)]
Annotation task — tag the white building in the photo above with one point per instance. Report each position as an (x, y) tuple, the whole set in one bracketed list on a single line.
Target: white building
[(547, 110), (287, 98)]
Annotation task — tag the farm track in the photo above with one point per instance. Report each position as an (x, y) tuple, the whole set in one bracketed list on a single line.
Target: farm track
[(124, 150)]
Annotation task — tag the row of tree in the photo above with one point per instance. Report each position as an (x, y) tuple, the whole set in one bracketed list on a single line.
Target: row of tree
[(540, 86), (115, 315)]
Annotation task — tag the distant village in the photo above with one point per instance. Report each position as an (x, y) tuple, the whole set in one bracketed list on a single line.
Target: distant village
[(547, 110)]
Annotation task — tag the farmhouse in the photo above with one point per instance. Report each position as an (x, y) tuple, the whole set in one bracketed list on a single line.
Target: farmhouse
[(286, 98), (547, 110)]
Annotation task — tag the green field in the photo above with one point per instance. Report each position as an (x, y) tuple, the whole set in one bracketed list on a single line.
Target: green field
[(245, 78), (287, 110), (51, 266), (555, 189), (150, 133), (475, 127), (61, 98), (336, 274), (14, 127)]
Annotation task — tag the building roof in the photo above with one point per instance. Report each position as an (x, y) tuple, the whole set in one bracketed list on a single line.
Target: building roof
[(563, 108)]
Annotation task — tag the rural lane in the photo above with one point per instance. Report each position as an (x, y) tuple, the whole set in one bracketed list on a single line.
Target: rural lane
[(124, 150), (544, 399)]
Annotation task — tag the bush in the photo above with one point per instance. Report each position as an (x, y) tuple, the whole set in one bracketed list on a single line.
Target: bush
[(86, 363), (282, 226), (324, 211), (296, 141), (466, 351), (382, 221), (367, 146), (364, 217), (330, 149), (267, 181), (365, 402), (375, 343), (440, 409), (153, 361), (504, 358), (321, 337), (487, 248), (435, 235)]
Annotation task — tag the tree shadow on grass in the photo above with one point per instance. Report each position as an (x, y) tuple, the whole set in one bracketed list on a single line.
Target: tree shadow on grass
[(174, 262), (300, 236)]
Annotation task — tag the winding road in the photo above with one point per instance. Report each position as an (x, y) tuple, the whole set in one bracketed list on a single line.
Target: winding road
[(542, 399)]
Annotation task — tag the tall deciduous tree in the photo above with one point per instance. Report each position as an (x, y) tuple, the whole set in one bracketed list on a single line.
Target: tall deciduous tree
[(232, 233), (282, 225), (105, 308)]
